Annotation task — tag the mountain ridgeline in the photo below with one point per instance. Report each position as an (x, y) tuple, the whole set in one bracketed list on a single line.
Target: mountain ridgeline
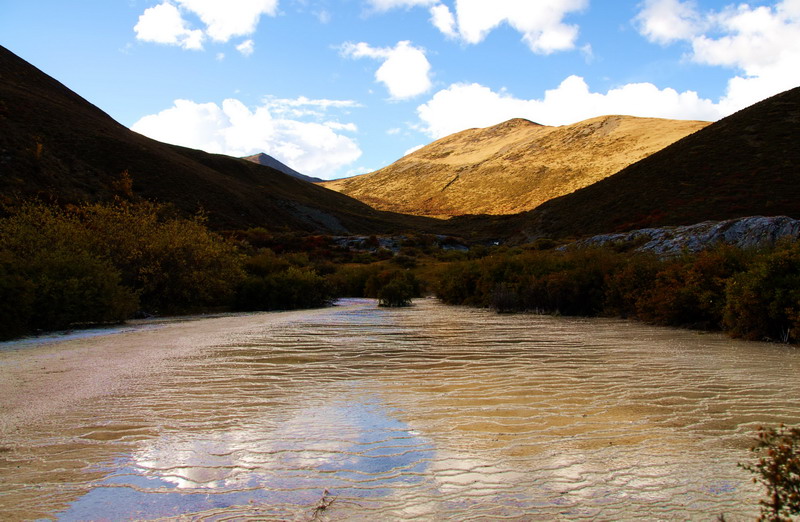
[(517, 181), (269, 161), (511, 167), (747, 164), (56, 146)]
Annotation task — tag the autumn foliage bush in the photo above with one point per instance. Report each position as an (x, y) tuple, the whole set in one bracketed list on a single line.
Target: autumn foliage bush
[(778, 469), (750, 294), (101, 263)]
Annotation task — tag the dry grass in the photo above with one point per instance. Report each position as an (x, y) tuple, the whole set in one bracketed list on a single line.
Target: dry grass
[(511, 167)]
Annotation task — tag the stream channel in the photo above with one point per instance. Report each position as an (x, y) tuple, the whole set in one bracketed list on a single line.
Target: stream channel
[(360, 413)]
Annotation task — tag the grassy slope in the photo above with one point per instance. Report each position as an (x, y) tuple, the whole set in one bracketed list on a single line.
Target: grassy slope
[(56, 145), (511, 167), (746, 164)]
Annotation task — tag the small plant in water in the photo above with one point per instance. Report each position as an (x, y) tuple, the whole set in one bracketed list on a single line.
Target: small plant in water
[(778, 468), (323, 504)]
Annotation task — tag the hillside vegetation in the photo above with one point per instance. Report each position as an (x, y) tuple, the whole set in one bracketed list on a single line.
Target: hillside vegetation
[(744, 165), (511, 167), (56, 146)]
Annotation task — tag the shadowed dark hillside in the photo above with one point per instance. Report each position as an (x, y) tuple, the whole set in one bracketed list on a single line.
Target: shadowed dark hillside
[(57, 146), (746, 164)]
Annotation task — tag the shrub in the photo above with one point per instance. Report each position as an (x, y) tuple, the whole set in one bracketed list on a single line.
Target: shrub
[(98, 263), (457, 283), (778, 469), (350, 281), (691, 291), (17, 294), (626, 286), (176, 264), (51, 276), (396, 293), (284, 290), (763, 303), (73, 288), (378, 280)]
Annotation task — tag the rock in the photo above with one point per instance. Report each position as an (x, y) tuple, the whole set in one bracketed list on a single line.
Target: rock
[(748, 232)]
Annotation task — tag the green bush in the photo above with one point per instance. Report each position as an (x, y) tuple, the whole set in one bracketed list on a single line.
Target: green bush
[(763, 302), (752, 294), (284, 290), (396, 293), (74, 288), (176, 264), (99, 263), (17, 295), (457, 283)]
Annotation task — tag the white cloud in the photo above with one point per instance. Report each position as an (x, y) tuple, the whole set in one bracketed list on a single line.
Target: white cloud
[(309, 147), (224, 20), (164, 24), (413, 149), (572, 101), (762, 43), (358, 171), (385, 5), (540, 22), (324, 16), (405, 70), (666, 21), (442, 18), (335, 125), (247, 47), (303, 107)]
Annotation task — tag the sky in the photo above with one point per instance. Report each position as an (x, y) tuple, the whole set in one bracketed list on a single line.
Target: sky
[(336, 88)]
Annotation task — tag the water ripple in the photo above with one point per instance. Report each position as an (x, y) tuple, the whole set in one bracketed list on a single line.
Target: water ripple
[(430, 412)]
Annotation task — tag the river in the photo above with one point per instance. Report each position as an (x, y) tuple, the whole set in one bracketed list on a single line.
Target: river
[(360, 413)]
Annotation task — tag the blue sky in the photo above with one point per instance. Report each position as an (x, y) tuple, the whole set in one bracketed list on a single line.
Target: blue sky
[(341, 87)]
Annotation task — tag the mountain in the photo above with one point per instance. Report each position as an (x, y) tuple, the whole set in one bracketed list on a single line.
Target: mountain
[(57, 146), (747, 164), (511, 167), (269, 161)]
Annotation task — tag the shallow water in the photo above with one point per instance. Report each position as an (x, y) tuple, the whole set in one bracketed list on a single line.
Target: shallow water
[(432, 412)]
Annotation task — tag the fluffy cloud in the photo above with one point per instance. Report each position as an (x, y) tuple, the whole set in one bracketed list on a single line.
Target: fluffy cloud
[(666, 21), (405, 70), (540, 22), (762, 43), (463, 106), (442, 18), (165, 23), (224, 20), (309, 147)]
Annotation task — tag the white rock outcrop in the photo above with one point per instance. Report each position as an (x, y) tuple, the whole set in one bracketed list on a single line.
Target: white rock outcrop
[(749, 232)]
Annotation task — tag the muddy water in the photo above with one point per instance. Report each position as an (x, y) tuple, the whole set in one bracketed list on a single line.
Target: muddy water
[(431, 412)]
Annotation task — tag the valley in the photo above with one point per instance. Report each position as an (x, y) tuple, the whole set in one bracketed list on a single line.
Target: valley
[(581, 321)]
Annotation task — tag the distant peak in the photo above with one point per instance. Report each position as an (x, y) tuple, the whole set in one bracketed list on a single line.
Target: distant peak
[(521, 121), (518, 122)]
